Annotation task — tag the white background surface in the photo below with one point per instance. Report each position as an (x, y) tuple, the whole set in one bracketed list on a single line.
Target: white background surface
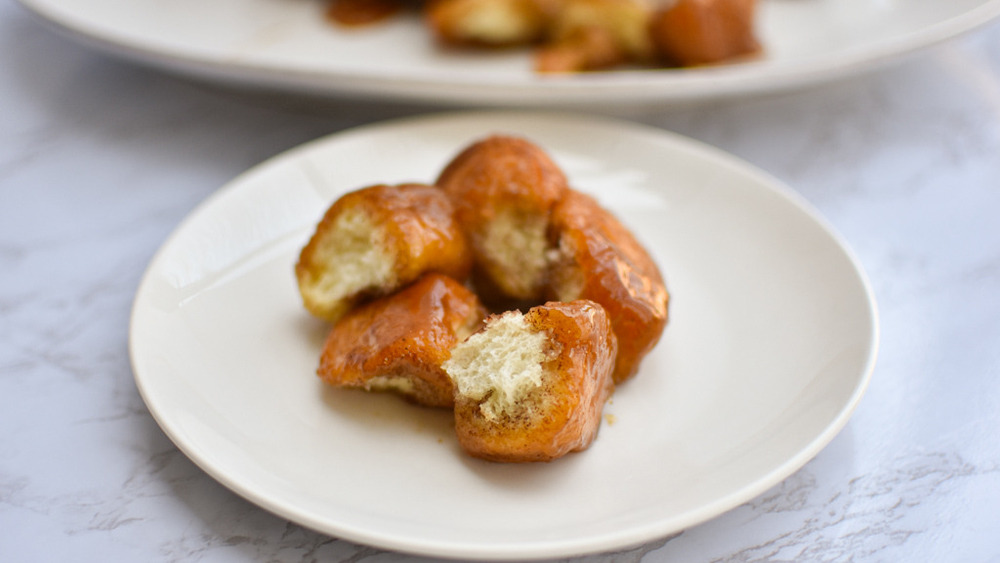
[(99, 161)]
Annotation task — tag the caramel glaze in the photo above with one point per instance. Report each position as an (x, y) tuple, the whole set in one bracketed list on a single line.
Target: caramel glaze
[(357, 13), (405, 335), (421, 225), (564, 414), (684, 32), (421, 234), (509, 177), (599, 259), (698, 32)]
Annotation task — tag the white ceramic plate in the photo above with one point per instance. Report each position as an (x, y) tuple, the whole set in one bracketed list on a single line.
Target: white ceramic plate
[(770, 346), (287, 44)]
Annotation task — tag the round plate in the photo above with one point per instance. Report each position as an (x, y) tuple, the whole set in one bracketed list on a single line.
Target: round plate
[(289, 45), (770, 346)]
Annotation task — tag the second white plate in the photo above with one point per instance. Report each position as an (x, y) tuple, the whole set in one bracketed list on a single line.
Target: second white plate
[(288, 44), (770, 346)]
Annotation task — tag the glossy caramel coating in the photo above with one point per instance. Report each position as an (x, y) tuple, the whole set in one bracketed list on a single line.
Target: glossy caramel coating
[(358, 13), (503, 189), (397, 343), (375, 240), (563, 414), (601, 260), (698, 32)]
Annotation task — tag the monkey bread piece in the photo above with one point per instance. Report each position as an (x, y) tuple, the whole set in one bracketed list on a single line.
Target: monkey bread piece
[(503, 189), (397, 343), (597, 258), (588, 48), (487, 23), (698, 32), (596, 34), (531, 387), (375, 240)]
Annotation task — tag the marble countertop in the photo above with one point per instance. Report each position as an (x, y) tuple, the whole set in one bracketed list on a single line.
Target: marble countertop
[(100, 160)]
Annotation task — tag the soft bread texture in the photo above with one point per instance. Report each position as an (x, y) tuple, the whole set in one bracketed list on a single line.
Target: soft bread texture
[(500, 367), (375, 240), (531, 387), (503, 189), (596, 34), (397, 343), (599, 259), (627, 22), (535, 238)]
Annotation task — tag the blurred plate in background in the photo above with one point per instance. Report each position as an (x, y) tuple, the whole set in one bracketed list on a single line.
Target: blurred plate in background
[(289, 45)]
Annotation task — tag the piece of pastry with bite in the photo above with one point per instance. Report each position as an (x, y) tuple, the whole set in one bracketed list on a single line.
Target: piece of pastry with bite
[(376, 240), (531, 387), (503, 189), (397, 343), (597, 258)]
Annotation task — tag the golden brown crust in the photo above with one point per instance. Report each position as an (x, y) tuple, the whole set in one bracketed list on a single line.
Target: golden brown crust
[(564, 413), (398, 342), (413, 231), (599, 259), (697, 32), (503, 189), (498, 166)]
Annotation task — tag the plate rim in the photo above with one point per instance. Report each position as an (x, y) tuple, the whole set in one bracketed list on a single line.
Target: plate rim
[(638, 87), (619, 540)]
